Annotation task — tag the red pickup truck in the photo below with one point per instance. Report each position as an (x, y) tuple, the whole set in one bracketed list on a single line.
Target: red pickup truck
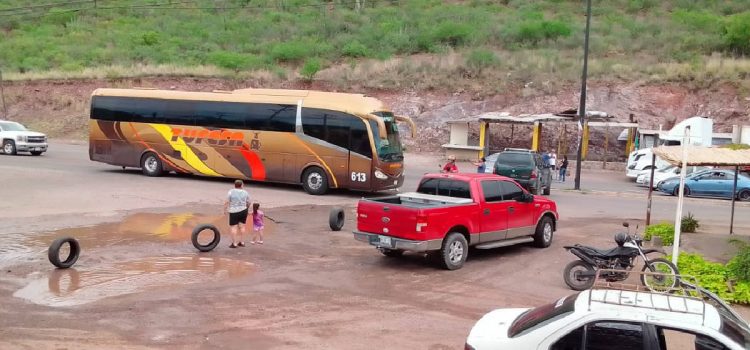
[(450, 212)]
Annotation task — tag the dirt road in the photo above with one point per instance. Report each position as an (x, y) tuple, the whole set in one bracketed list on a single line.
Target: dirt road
[(140, 284)]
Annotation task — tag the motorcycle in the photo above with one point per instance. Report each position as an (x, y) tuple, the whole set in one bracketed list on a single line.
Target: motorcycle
[(616, 263)]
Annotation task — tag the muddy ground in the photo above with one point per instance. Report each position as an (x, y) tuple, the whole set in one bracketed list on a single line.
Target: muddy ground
[(140, 284)]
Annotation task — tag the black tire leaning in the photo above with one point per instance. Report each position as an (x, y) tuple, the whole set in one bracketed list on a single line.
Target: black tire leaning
[(319, 175), (671, 285), (53, 253), (547, 190), (545, 227), (158, 167), (577, 284), (336, 218), (391, 253), (451, 241), (205, 247)]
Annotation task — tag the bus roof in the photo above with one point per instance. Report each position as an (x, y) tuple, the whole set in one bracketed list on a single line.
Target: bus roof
[(358, 104)]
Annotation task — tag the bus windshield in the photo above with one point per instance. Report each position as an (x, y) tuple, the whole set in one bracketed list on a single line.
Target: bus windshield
[(389, 149)]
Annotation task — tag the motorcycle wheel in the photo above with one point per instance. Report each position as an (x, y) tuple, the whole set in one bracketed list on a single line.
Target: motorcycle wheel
[(571, 275), (667, 278)]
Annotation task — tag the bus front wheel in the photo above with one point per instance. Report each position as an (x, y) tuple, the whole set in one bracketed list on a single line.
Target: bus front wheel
[(315, 181), (151, 165)]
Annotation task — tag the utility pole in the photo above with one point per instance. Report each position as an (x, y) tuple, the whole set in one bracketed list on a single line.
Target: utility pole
[(2, 94), (582, 105)]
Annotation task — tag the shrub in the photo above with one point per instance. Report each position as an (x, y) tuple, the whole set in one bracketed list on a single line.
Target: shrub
[(713, 277), (234, 61), (290, 51), (150, 38), (310, 68), (737, 33), (739, 265), (355, 49), (453, 34), (689, 223), (481, 59), (664, 230)]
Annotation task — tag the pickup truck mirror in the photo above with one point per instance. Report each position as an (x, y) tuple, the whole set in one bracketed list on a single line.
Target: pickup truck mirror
[(525, 198)]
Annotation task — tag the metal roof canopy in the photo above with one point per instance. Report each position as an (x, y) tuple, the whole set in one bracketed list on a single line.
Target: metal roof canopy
[(596, 119), (701, 156)]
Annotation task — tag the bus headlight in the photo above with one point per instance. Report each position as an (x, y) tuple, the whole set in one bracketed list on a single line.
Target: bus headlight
[(379, 174)]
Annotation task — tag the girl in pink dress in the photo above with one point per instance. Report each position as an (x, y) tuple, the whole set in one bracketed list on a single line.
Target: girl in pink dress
[(257, 224)]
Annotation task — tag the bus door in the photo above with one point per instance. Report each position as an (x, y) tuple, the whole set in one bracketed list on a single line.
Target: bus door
[(360, 157)]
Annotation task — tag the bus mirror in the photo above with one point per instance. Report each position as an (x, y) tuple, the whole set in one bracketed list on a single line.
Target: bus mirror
[(382, 131), (403, 118)]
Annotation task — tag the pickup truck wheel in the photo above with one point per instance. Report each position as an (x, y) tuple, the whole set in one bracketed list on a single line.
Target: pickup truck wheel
[(9, 147), (454, 251), (315, 181), (544, 231), (391, 253), (151, 165)]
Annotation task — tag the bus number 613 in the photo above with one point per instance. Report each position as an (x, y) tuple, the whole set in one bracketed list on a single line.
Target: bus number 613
[(359, 177)]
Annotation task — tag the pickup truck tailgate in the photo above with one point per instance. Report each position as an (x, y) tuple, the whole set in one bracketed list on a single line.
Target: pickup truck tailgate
[(380, 218)]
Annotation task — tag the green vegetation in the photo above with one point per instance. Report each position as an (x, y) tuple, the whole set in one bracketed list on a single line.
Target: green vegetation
[(717, 278), (664, 230), (689, 223), (739, 266), (672, 40)]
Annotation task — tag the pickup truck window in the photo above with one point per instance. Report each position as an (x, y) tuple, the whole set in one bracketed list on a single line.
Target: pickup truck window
[(491, 190), (510, 191), (445, 187)]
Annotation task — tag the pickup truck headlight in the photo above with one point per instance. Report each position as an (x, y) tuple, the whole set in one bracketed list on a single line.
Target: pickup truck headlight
[(379, 174), (21, 138)]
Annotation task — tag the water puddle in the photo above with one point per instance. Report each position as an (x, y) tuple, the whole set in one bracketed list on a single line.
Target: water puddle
[(134, 228), (70, 287)]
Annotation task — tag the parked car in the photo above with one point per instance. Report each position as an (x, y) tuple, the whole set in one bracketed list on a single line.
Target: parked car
[(710, 183), (451, 212), (526, 167), (606, 319), (644, 177), (640, 160), (16, 138)]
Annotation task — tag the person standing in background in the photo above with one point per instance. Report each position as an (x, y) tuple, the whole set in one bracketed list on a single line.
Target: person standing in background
[(553, 163), (480, 164), (450, 167), (563, 169)]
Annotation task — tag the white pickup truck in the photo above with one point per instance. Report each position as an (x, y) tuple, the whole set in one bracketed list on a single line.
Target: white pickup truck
[(16, 138)]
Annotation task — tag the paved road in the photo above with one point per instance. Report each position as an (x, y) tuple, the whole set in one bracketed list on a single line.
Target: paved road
[(64, 188)]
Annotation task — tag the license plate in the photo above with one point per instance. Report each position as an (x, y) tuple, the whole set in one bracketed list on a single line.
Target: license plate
[(385, 240), (513, 175)]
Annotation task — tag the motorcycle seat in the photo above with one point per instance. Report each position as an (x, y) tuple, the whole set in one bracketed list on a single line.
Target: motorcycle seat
[(605, 253)]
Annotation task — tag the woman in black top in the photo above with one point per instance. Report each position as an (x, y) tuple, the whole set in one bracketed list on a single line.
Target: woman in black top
[(563, 168)]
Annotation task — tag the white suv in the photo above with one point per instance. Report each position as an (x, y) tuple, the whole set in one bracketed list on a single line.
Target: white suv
[(16, 138), (614, 320)]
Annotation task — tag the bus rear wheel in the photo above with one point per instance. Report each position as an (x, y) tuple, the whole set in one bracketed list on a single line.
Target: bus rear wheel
[(151, 165), (315, 181)]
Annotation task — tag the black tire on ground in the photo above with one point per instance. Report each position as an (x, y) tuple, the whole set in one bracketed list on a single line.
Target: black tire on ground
[(391, 253), (36, 153), (315, 181), (151, 165), (9, 147), (454, 251), (205, 247), (544, 232), (336, 218), (53, 253), (744, 195), (570, 275), (665, 283)]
